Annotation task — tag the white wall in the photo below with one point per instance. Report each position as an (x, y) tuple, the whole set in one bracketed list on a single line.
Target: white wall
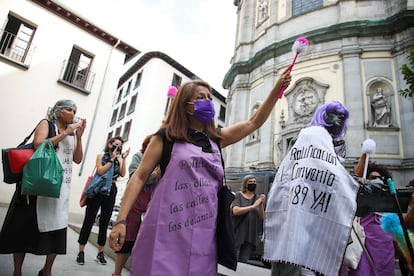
[(27, 94)]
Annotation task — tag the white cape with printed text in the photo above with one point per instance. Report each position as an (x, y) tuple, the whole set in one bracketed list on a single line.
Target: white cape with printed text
[(311, 206)]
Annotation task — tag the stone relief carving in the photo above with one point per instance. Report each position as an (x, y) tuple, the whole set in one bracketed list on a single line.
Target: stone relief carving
[(303, 99)]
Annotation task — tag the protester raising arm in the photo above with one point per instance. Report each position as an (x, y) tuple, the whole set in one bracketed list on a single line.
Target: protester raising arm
[(184, 205), (230, 135)]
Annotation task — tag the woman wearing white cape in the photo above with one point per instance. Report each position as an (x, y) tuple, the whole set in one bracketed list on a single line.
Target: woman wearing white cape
[(312, 202)]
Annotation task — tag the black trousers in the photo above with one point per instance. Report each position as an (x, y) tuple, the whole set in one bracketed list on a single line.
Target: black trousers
[(106, 204)]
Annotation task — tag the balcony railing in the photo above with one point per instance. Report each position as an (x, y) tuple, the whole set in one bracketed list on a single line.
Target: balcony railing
[(76, 76), (15, 49)]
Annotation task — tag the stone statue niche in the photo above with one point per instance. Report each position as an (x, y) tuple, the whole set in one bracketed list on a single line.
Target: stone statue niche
[(262, 10), (380, 107)]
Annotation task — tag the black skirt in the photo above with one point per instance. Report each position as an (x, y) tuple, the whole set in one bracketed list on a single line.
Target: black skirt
[(20, 232)]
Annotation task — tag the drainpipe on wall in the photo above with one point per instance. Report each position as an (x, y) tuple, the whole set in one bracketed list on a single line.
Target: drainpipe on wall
[(98, 100)]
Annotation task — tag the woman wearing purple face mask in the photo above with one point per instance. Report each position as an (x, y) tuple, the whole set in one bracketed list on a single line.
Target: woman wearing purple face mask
[(203, 111), (178, 235)]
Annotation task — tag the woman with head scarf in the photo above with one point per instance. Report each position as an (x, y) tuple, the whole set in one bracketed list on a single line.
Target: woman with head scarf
[(37, 224)]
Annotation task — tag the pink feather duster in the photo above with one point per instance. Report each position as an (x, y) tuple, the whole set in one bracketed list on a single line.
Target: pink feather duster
[(300, 46)]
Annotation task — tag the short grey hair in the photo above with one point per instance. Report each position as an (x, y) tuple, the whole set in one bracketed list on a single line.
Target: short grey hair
[(59, 105)]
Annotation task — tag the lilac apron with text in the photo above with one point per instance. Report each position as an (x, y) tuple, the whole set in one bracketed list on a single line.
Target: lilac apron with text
[(177, 236)]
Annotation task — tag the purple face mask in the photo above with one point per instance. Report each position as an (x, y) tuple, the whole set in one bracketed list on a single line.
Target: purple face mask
[(204, 111)]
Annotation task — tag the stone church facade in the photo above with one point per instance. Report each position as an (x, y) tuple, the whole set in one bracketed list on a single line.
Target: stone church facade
[(356, 51)]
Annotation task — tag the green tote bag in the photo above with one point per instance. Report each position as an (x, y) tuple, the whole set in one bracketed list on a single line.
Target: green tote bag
[(43, 173)]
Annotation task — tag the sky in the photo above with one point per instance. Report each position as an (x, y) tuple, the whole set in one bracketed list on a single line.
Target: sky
[(199, 35)]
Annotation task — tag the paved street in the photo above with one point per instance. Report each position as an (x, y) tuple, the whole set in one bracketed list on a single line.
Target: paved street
[(66, 265)]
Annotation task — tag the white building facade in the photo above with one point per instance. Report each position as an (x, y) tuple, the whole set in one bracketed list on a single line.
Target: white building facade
[(356, 51), (48, 53)]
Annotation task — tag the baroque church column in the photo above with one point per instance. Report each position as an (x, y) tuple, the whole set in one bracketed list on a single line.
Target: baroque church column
[(239, 102), (353, 98)]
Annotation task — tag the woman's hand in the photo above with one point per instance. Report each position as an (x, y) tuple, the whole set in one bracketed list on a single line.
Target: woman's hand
[(80, 128), (259, 201), (117, 237), (70, 128), (234, 133), (114, 154), (263, 198), (125, 154), (78, 152), (261, 213)]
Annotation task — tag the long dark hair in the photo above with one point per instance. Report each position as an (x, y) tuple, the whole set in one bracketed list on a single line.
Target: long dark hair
[(381, 169)]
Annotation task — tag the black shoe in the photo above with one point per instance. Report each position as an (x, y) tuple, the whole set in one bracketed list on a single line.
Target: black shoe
[(101, 259), (81, 258)]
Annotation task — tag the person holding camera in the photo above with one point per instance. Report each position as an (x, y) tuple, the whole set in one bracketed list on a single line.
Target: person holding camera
[(112, 156)]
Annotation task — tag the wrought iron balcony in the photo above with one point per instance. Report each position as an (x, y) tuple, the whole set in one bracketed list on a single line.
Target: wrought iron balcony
[(16, 48), (74, 75)]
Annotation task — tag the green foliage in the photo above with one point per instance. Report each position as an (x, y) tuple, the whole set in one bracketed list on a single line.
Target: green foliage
[(408, 74)]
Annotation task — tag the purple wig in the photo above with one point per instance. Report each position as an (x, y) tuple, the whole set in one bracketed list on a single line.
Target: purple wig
[(319, 118)]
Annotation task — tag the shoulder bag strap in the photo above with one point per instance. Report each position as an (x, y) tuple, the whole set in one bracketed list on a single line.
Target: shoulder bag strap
[(51, 131), (27, 138)]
